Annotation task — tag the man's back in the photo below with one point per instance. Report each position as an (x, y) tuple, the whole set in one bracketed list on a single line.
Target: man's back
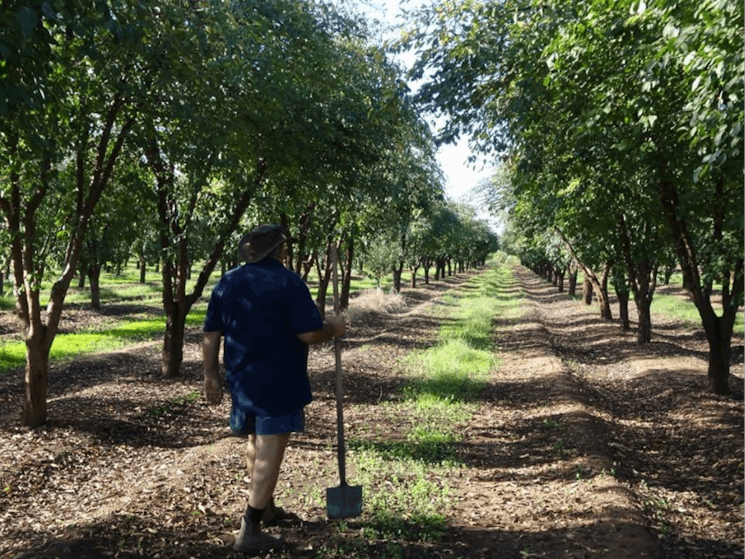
[(260, 308)]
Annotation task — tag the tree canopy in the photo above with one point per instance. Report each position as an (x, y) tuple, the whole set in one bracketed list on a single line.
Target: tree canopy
[(620, 125), (194, 121)]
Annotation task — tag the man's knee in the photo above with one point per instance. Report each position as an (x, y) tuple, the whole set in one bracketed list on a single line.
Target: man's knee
[(271, 444)]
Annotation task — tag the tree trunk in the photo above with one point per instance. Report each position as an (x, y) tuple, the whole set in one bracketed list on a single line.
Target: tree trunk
[(605, 310), (718, 329), (560, 278), (426, 271), (572, 283), (305, 222), (440, 269), (308, 266), (324, 276), (36, 379), (39, 337), (173, 341), (587, 291), (298, 258), (143, 267), (81, 276), (600, 287), (347, 279), (397, 278), (668, 273), (642, 276), (719, 336), (94, 277), (413, 276), (644, 329), (623, 309), (643, 286)]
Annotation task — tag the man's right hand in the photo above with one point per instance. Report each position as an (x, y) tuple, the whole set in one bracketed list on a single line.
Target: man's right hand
[(212, 390), (338, 324)]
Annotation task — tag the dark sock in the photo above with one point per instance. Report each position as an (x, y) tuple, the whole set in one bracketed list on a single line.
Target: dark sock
[(254, 515)]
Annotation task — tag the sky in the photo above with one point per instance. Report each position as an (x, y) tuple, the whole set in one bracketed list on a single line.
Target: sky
[(459, 174)]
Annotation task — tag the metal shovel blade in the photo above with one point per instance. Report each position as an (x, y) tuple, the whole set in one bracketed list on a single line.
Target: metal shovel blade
[(344, 501)]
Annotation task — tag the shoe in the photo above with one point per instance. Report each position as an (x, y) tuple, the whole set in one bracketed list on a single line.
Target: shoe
[(252, 540)]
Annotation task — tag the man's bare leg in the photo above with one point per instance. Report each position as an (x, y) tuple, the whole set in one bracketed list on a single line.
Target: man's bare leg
[(251, 454), (271, 510), (267, 454)]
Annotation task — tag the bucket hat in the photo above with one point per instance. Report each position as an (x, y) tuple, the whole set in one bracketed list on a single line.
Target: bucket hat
[(261, 241)]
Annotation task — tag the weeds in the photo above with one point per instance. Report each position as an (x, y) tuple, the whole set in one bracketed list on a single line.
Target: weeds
[(405, 495), (552, 423)]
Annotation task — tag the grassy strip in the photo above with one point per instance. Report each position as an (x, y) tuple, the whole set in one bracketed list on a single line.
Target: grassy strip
[(126, 286), (120, 288), (68, 346), (405, 480), (682, 309)]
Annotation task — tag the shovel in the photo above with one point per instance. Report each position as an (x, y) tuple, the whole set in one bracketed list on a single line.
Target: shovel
[(344, 501)]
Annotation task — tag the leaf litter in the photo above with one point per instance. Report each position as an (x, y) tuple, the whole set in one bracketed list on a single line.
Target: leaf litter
[(583, 445)]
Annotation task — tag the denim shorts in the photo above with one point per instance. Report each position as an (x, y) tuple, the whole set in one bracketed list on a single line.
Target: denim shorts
[(243, 423)]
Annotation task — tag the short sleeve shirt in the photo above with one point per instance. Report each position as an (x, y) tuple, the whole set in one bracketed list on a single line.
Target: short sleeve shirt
[(260, 308)]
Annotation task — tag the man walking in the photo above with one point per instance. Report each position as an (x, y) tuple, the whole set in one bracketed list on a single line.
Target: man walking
[(268, 318)]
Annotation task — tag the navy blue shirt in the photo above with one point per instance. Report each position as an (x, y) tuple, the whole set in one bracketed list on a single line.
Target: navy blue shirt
[(260, 308)]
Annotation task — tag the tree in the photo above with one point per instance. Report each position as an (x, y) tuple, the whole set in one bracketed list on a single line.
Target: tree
[(72, 80), (705, 53), (571, 90), (110, 235), (223, 133)]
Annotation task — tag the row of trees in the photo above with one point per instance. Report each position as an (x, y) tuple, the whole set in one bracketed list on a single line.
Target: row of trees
[(171, 128), (619, 127)]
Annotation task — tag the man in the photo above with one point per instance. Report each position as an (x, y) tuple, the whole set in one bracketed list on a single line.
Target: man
[(268, 318)]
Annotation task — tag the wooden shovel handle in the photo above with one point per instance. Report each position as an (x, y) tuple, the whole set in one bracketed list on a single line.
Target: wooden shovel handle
[(339, 394)]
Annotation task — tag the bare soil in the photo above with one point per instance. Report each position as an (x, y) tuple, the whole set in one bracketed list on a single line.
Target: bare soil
[(584, 445)]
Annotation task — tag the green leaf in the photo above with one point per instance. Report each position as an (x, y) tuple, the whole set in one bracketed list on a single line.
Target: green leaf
[(27, 18)]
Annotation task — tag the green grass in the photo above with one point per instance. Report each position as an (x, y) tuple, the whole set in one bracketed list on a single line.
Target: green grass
[(403, 475), (115, 290), (405, 495), (677, 307), (68, 346), (685, 311), (125, 286), (121, 289)]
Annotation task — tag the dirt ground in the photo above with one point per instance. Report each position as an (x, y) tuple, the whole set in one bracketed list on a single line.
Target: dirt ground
[(584, 445)]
